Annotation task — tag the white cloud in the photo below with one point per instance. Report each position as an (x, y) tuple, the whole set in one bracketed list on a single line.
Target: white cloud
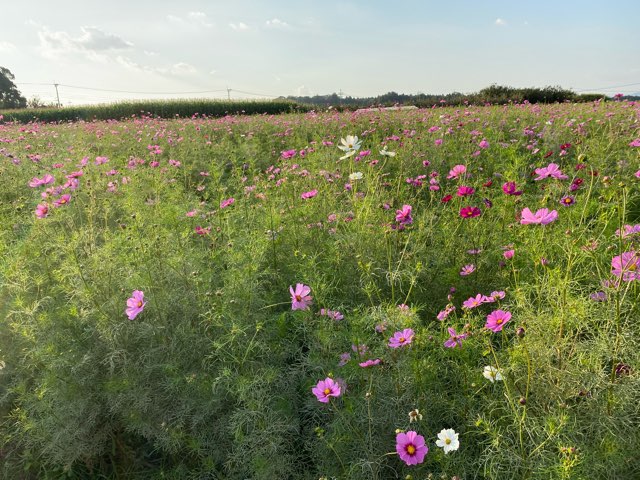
[(90, 43), (7, 47), (213, 72), (174, 19), (240, 26), (201, 18), (192, 18), (500, 22), (276, 23), (149, 53), (182, 68)]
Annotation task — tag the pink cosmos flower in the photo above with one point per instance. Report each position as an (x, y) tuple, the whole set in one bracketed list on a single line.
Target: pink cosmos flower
[(202, 230), (508, 254), (445, 313), (626, 266), (300, 299), (411, 447), (470, 212), (63, 200), (400, 339), (325, 389), (101, 160), (483, 144), (467, 270), (42, 210), (454, 338), (370, 363), (498, 295), (135, 304), (509, 188), (456, 171), (464, 191), (45, 180), (635, 143), (309, 194), (227, 202), (473, 302), (497, 319), (541, 217), (637, 174), (552, 170), (403, 217), (191, 213)]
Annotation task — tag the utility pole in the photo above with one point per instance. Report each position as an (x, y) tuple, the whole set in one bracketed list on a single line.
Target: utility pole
[(57, 95), (228, 94)]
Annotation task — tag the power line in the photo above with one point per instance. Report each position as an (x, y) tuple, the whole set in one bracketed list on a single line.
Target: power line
[(609, 88), (121, 91)]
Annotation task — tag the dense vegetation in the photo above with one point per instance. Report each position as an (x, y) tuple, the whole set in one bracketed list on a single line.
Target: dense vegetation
[(471, 269), (152, 108)]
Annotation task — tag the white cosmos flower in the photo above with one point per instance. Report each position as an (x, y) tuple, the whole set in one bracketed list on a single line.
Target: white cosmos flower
[(351, 144), (386, 153), (355, 176), (492, 374), (448, 440)]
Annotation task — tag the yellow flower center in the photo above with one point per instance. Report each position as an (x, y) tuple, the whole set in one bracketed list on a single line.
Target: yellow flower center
[(411, 449), (401, 340), (447, 441), (327, 391), (633, 266), (298, 298), (139, 303), (499, 321)]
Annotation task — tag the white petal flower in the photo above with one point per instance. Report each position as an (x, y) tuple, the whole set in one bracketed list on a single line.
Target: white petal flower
[(448, 440), (386, 153), (349, 144), (492, 374), (355, 176)]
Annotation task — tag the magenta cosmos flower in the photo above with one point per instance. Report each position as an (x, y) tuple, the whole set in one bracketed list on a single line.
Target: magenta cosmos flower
[(309, 194), (470, 212), (467, 270), (541, 217), (464, 191), (403, 217), (370, 363), (227, 202), (42, 210), (300, 299), (510, 188), (497, 319), (400, 339), (454, 338), (626, 266), (473, 302), (411, 448), (63, 200), (135, 304), (325, 389)]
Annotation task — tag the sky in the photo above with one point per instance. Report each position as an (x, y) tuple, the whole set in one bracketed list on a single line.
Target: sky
[(125, 49)]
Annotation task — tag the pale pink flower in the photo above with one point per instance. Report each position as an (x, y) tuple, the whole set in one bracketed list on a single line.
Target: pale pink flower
[(135, 304), (552, 170), (541, 217), (457, 171), (300, 299)]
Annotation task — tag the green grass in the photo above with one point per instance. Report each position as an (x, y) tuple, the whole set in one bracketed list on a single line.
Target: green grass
[(152, 108)]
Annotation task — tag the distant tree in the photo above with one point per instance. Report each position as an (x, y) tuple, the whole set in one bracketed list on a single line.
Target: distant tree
[(36, 102), (10, 97)]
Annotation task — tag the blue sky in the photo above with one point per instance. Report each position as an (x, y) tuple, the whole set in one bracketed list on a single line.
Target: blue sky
[(285, 47)]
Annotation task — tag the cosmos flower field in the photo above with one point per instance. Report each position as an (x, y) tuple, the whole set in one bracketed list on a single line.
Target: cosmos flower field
[(440, 293)]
